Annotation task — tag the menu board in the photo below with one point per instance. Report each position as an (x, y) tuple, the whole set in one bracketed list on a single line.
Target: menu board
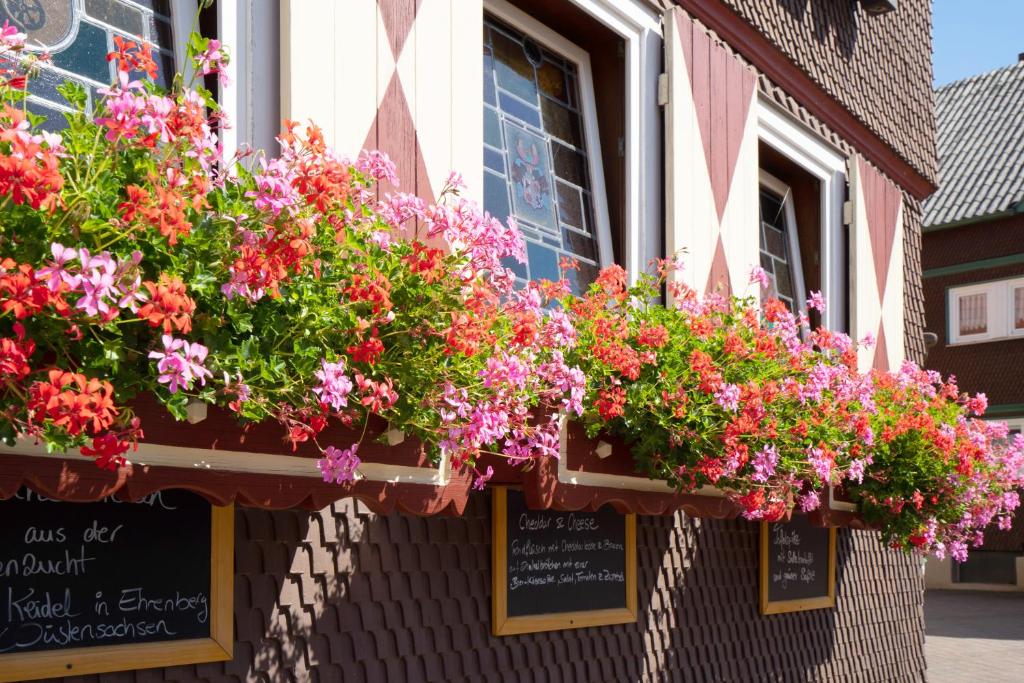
[(798, 566), (556, 570), (83, 585)]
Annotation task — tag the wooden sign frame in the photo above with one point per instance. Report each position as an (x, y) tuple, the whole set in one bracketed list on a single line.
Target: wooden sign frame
[(79, 661), (800, 604), (504, 625)]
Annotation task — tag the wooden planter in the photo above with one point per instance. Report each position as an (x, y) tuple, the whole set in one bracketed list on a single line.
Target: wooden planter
[(252, 465), (595, 472)]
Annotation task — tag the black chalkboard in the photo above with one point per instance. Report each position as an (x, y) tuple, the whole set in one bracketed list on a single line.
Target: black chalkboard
[(76, 575), (798, 565), (558, 563)]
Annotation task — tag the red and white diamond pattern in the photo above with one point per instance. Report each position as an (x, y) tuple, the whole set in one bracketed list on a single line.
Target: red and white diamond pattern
[(876, 273), (382, 75)]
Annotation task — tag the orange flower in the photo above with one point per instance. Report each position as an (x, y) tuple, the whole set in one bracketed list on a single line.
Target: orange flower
[(168, 306)]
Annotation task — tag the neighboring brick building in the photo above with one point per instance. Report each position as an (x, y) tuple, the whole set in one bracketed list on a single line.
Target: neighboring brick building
[(794, 133), (973, 263)]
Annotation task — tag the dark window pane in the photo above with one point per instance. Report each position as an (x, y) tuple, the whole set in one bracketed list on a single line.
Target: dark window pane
[(543, 262), (580, 244), (569, 165), (561, 122), (44, 85), (55, 120), (551, 80), (492, 128), (569, 211), (519, 110), (496, 196), (514, 72), (116, 14), (516, 267), (774, 242), (771, 209), (87, 55), (494, 160)]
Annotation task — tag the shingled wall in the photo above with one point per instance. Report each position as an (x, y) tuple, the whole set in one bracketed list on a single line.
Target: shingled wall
[(346, 595), (878, 67)]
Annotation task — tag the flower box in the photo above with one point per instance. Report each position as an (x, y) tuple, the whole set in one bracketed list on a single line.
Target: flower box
[(592, 472), (225, 461)]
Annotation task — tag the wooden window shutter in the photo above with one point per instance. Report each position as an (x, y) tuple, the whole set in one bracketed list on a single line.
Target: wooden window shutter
[(401, 76), (876, 265), (711, 154)]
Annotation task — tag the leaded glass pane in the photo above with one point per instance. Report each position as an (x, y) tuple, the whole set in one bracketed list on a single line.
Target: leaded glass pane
[(775, 255), (532, 121), (78, 36)]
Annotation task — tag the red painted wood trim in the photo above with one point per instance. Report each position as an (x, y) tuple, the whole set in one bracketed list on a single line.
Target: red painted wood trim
[(82, 481), (746, 40)]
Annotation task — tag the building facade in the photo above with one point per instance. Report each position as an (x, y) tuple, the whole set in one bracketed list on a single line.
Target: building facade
[(793, 134), (973, 261)]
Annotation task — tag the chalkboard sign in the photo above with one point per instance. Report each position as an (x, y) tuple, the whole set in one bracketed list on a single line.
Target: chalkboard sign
[(798, 566), (111, 585), (557, 570)]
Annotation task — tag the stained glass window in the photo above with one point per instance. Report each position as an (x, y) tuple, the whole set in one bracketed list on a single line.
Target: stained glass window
[(78, 35), (536, 166), (776, 258)]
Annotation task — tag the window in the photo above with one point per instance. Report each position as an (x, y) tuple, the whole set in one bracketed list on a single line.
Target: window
[(1018, 310), (542, 163), (986, 311), (779, 245), (539, 133), (78, 34), (570, 92), (803, 186)]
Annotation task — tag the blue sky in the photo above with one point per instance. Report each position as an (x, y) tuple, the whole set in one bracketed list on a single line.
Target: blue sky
[(973, 36)]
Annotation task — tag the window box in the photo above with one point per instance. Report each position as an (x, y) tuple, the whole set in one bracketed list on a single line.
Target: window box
[(225, 461)]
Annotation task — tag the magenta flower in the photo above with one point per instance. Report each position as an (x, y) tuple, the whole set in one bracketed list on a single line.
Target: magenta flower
[(56, 272), (809, 501), (728, 397), (339, 466), (817, 302), (180, 364), (765, 461), (334, 386), (760, 276), (481, 479)]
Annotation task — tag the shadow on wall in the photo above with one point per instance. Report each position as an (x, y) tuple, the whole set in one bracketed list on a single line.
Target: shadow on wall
[(834, 21), (343, 594)]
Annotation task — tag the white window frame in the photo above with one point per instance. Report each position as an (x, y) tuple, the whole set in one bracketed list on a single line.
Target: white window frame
[(796, 142), (1011, 318), (796, 266), (561, 45), (1013, 423), (998, 309), (638, 23), (252, 100)]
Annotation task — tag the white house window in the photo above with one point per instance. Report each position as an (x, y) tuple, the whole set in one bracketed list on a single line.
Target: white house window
[(986, 311), (803, 186), (541, 150), (973, 310), (779, 246)]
